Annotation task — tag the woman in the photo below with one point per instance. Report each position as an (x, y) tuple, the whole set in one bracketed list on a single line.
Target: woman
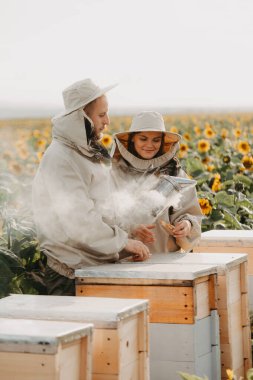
[(147, 150)]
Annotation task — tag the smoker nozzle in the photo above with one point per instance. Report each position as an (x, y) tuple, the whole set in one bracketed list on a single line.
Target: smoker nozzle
[(167, 185)]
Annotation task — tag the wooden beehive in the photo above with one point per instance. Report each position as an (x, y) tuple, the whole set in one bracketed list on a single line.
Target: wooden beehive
[(44, 350), (232, 304), (120, 337), (230, 241), (181, 302)]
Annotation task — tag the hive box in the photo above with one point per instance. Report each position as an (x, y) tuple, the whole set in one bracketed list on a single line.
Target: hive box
[(230, 241), (184, 329), (232, 304), (120, 339), (44, 350)]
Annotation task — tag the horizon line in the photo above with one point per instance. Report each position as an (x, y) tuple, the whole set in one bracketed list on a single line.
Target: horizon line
[(48, 112)]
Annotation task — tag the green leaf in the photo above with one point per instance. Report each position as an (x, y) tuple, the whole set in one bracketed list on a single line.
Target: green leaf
[(28, 250), (227, 184), (220, 225), (216, 214), (223, 198), (229, 174), (194, 167), (6, 276), (232, 220), (242, 178), (203, 178), (246, 210), (246, 204), (9, 258), (208, 195)]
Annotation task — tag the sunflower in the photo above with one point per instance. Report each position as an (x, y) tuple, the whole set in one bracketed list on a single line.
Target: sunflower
[(36, 133), (237, 123), (187, 136), (237, 132), (174, 129), (224, 133), (203, 146), (41, 144), (210, 168), (107, 140), (39, 155), (205, 206), (206, 160), (226, 159), (215, 183), (47, 132), (15, 168), (247, 162), (243, 147), (197, 130), (183, 150), (23, 153), (209, 133)]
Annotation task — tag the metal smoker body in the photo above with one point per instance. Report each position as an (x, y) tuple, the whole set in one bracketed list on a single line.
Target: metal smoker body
[(167, 185)]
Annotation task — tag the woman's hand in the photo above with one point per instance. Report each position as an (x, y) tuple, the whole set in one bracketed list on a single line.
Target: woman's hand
[(182, 229), (143, 233)]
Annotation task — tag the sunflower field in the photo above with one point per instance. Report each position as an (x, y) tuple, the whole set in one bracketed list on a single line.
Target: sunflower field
[(215, 150)]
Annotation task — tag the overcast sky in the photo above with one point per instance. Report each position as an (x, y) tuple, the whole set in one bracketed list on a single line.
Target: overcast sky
[(168, 53)]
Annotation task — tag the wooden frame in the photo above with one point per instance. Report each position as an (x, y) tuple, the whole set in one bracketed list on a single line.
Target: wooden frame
[(181, 299), (120, 337), (30, 350)]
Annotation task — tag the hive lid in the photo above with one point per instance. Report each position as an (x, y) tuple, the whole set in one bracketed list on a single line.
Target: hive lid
[(229, 238), (147, 270), (102, 312), (221, 260), (28, 335)]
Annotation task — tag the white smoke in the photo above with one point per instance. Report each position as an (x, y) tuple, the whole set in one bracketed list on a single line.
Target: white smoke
[(138, 203)]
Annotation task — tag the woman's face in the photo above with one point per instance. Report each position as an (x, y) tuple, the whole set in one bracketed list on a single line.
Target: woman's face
[(147, 144)]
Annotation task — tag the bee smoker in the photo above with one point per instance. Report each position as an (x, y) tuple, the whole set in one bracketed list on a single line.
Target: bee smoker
[(168, 185)]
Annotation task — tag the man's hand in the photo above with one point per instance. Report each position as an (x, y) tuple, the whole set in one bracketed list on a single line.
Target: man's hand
[(143, 233), (138, 250)]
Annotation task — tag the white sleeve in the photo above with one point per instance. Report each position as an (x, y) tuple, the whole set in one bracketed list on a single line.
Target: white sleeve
[(75, 210)]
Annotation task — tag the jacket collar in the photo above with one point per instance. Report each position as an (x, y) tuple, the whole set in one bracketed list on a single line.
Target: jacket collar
[(70, 130)]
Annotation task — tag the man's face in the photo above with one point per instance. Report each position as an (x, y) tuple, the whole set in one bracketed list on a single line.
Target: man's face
[(98, 113)]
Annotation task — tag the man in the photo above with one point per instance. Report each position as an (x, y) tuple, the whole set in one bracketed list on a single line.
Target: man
[(69, 190)]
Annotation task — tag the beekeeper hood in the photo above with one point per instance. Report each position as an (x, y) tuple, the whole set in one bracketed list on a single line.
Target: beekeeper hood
[(148, 121), (69, 124)]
